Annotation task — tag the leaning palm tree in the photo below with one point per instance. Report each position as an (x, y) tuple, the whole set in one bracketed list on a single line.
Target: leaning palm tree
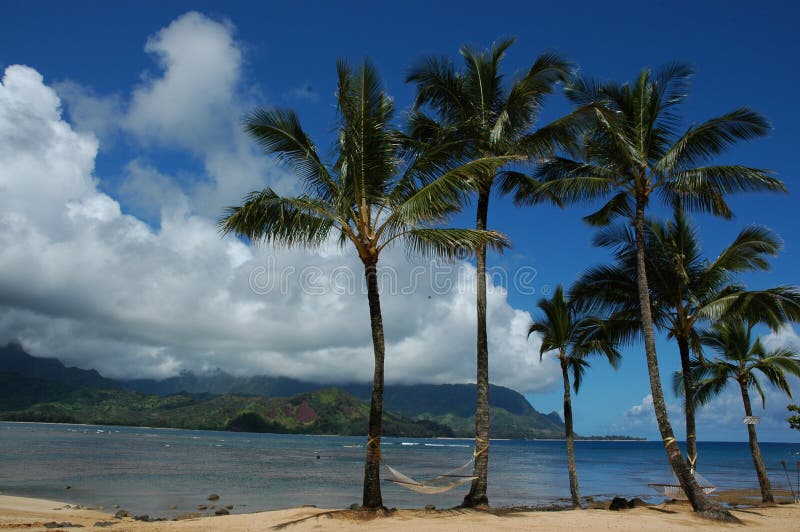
[(739, 358), (687, 289), (380, 190), (488, 118), (567, 328), (634, 153)]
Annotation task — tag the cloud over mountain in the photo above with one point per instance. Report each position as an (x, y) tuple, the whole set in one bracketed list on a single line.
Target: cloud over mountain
[(84, 280)]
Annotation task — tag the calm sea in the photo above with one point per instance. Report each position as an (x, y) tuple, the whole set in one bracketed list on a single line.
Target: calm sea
[(149, 470)]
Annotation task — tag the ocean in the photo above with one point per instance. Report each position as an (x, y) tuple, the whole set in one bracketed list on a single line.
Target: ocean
[(150, 471)]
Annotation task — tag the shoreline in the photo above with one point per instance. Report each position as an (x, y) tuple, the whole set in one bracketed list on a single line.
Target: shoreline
[(23, 513)]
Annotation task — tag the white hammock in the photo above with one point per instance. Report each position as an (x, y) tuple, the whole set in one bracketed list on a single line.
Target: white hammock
[(675, 491), (440, 484)]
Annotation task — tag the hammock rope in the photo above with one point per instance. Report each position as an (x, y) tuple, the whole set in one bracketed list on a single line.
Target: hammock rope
[(476, 452)]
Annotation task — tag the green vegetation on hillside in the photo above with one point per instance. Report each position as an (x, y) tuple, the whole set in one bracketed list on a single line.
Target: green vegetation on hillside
[(328, 411)]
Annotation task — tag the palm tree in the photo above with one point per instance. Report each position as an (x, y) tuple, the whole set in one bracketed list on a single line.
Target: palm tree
[(488, 119), (738, 360), (687, 289), (381, 189), (633, 153), (569, 329)]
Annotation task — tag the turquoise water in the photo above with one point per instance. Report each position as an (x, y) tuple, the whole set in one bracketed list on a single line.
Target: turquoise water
[(149, 470)]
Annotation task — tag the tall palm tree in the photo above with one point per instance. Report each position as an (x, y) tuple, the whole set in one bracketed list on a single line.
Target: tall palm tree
[(686, 289), (380, 190), (567, 328), (739, 358), (633, 153), (488, 118)]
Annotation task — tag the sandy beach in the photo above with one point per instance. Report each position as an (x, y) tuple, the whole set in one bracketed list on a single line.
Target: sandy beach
[(19, 513)]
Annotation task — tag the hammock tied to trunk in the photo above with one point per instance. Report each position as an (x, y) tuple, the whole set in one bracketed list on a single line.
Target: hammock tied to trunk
[(441, 483), (674, 490)]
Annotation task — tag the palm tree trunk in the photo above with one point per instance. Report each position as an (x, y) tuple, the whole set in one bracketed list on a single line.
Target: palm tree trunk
[(688, 388), (477, 492), (569, 436), (372, 498), (699, 501), (761, 470)]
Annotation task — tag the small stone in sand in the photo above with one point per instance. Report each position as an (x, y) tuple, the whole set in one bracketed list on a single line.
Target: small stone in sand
[(67, 487), (618, 503), (636, 502), (144, 517), (173, 507), (355, 506), (101, 524), (122, 513), (230, 506), (202, 507), (63, 524), (430, 507), (213, 497), (222, 511)]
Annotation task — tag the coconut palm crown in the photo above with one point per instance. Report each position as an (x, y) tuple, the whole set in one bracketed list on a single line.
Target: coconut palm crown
[(568, 329), (381, 189), (741, 360), (633, 154), (488, 117)]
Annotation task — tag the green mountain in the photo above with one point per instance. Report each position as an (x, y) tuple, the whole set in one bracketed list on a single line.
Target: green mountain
[(214, 400), (453, 405), (326, 411)]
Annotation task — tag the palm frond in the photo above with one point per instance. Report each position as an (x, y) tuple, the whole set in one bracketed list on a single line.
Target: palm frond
[(441, 87), (284, 221), (278, 132), (450, 244), (748, 252), (618, 206), (722, 180), (711, 138), (526, 96), (568, 190)]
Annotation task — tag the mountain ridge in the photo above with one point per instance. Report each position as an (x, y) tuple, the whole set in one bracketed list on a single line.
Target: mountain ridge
[(446, 407)]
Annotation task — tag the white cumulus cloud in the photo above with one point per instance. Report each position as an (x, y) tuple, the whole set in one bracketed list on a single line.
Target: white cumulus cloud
[(83, 281)]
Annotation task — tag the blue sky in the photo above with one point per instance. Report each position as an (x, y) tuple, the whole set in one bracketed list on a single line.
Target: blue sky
[(160, 87)]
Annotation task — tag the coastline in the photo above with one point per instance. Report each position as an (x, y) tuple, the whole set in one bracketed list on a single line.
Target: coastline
[(457, 438), (22, 513)]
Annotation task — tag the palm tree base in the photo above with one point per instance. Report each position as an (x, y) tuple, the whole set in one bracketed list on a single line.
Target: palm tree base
[(378, 511), (474, 502), (720, 515)]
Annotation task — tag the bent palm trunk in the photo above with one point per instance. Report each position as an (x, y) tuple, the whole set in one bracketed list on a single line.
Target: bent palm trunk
[(761, 470), (570, 439), (688, 387), (699, 501), (477, 492), (372, 498)]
